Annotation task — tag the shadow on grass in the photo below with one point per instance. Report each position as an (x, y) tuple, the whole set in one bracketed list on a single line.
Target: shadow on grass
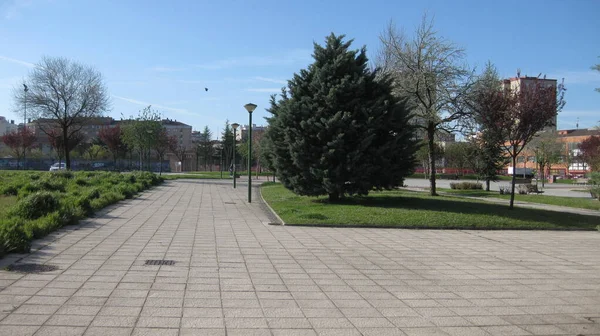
[(561, 220)]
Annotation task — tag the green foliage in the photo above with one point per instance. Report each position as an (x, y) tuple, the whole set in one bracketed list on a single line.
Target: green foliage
[(13, 237), (340, 131), (36, 205), (48, 201), (466, 185)]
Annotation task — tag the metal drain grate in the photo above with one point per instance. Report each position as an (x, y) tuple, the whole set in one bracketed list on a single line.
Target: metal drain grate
[(160, 262), (31, 268)]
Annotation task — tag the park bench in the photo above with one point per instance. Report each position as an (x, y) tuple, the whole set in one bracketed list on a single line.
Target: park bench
[(581, 181)]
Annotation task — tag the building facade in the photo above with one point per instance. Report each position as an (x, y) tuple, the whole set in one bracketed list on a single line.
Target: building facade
[(569, 163)]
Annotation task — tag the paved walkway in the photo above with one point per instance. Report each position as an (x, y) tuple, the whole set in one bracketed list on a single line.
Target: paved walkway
[(236, 275)]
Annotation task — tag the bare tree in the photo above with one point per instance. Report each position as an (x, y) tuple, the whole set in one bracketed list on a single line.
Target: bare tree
[(429, 71), (517, 114), (63, 95), (547, 149), (597, 68)]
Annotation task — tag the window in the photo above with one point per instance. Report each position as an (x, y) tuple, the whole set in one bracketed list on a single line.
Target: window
[(520, 159), (531, 159)]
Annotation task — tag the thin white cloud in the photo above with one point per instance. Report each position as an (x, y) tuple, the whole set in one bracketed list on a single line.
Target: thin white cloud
[(166, 69), (290, 57), (162, 107), (16, 61), (577, 77), (268, 90), (271, 80)]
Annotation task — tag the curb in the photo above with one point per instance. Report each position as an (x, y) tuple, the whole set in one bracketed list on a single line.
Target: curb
[(281, 222)]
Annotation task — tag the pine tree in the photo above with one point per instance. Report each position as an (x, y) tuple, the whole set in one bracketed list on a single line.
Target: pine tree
[(340, 131)]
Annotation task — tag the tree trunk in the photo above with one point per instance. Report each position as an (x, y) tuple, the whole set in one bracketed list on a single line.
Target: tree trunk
[(487, 185), (431, 145), (543, 173), (514, 177), (66, 149)]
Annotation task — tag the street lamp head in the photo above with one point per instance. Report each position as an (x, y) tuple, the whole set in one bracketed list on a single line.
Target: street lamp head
[(235, 125), (250, 107)]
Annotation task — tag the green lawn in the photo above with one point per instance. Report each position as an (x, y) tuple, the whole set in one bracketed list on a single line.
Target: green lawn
[(573, 202), (407, 209), (198, 175)]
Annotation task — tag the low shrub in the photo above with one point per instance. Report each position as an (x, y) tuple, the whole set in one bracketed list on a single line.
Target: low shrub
[(42, 226), (466, 186), (81, 182), (36, 205), (9, 190), (13, 237), (63, 173)]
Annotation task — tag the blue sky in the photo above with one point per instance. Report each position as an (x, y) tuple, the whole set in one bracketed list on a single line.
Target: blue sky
[(165, 53)]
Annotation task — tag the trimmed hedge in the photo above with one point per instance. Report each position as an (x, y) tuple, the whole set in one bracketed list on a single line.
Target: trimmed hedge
[(466, 185), (50, 200)]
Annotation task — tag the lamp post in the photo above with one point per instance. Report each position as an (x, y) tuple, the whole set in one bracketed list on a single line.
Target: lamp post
[(250, 108), (235, 126), (25, 89)]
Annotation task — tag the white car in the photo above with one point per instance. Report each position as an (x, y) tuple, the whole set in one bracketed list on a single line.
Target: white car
[(58, 166)]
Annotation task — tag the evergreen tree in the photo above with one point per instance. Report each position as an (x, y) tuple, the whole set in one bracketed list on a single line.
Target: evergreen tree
[(205, 146), (227, 142), (340, 131)]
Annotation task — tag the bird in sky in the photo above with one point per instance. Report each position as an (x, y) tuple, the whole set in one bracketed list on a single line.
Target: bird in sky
[(205, 89)]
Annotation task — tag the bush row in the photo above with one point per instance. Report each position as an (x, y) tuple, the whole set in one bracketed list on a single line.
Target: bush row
[(466, 185), (48, 201)]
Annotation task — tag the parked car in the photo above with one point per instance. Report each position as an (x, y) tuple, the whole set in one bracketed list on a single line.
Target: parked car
[(58, 166)]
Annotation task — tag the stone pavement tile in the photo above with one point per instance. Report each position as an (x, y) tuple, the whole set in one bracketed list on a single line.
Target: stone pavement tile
[(486, 320), (158, 322), (581, 328), (465, 331), (543, 329), (18, 330), (322, 312), (288, 322), (450, 321), (47, 300), (114, 321), (410, 321), (425, 331), (154, 332), (106, 331), (37, 309), (293, 332), (70, 320), (382, 332), (25, 319), (60, 331), (206, 332), (375, 322), (340, 332), (330, 323), (505, 330), (119, 311), (202, 322), (245, 323), (294, 312), (248, 332)]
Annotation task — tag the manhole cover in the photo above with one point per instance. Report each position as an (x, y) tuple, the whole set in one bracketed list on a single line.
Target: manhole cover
[(160, 262), (31, 268)]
